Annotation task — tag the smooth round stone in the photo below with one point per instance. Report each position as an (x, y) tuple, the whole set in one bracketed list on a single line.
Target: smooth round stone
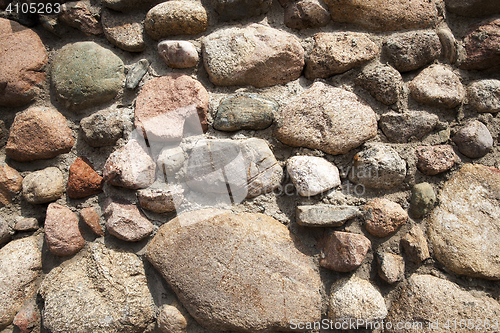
[(178, 53), (176, 18), (43, 186), (474, 140), (124, 30), (245, 111), (85, 74)]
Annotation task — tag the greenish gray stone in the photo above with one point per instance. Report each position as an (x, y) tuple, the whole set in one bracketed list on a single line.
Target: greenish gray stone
[(325, 215), (245, 111), (423, 199), (85, 74), (136, 73)]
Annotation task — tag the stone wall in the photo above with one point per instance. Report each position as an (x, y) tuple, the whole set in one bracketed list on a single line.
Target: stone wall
[(250, 166)]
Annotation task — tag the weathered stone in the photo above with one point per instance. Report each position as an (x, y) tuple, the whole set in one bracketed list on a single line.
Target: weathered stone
[(484, 95), (136, 73), (130, 5), (312, 175), (306, 14), (11, 183), (464, 228), (161, 198), (22, 72), (474, 140), (383, 217), (240, 9), (83, 181), (77, 14), (43, 186), (26, 224), (432, 160), (171, 320), (62, 232), (38, 133), (385, 15), (125, 221), (245, 111), (248, 167), (437, 85), (355, 300), (255, 55), (124, 30), (401, 127), (167, 104), (481, 47), (378, 167), (130, 167), (178, 53), (102, 128), (27, 318), (246, 268), (411, 50), (391, 267), (21, 261), (415, 245), (325, 215), (170, 160), (433, 302), (104, 291), (448, 44), (85, 74), (422, 200), (91, 219), (4, 232), (335, 53), (383, 82), (473, 7), (176, 18), (326, 118), (344, 251)]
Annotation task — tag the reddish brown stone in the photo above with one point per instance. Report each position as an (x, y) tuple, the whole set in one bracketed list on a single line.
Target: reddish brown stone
[(11, 183), (125, 221), (384, 217), (481, 46), (77, 14), (27, 318), (39, 133), (435, 159), (167, 103), (415, 245), (91, 219), (22, 55), (83, 181), (62, 233), (344, 251)]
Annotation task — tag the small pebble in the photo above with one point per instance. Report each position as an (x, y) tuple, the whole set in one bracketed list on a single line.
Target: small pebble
[(383, 217), (422, 200), (312, 175), (391, 267), (432, 160), (136, 73), (178, 53), (26, 224), (91, 219), (171, 320), (415, 245)]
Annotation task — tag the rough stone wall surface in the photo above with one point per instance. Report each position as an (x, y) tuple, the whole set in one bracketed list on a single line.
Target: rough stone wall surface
[(190, 212)]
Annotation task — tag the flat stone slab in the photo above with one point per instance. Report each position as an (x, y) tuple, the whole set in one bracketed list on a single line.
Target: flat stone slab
[(325, 215)]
